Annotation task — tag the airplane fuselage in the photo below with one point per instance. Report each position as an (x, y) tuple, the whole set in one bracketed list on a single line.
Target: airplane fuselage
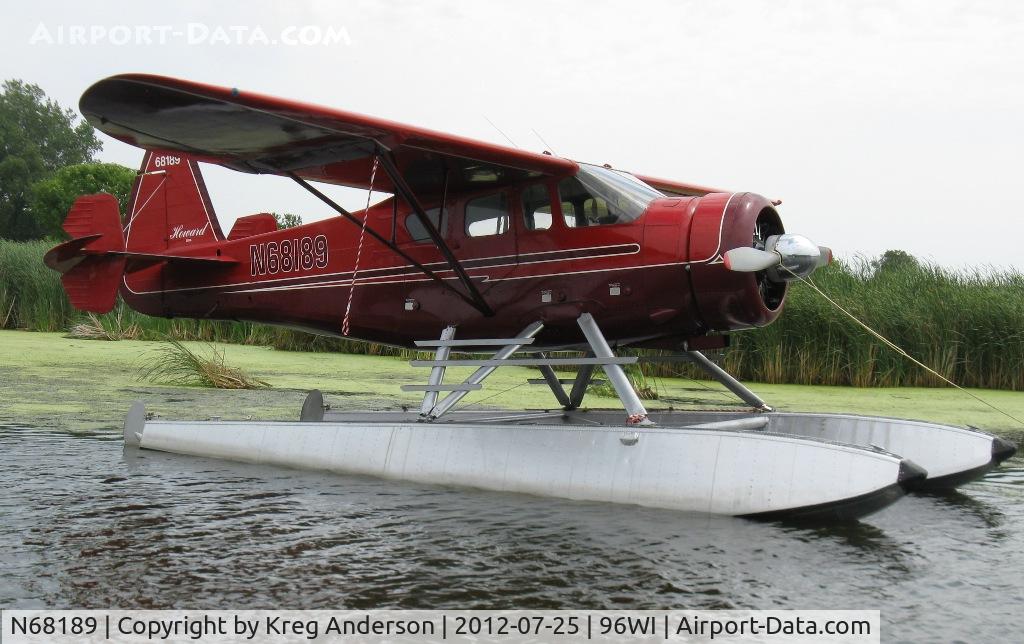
[(657, 276)]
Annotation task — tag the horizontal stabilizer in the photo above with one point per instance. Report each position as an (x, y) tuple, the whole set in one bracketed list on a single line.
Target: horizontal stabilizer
[(253, 225), (94, 225), (66, 256), (138, 260)]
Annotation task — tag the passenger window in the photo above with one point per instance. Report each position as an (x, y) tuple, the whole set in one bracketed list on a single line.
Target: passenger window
[(537, 207), (580, 207), (416, 229), (487, 215)]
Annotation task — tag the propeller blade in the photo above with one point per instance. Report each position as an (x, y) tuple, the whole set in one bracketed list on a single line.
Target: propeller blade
[(750, 260), (826, 256)]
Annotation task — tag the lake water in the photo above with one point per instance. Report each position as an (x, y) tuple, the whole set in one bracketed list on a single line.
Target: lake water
[(84, 525)]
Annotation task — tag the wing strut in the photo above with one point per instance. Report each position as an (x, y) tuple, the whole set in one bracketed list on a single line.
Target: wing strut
[(406, 193), (486, 310)]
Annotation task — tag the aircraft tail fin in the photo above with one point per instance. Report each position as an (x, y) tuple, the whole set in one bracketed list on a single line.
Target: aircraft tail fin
[(170, 207), (96, 216), (170, 213), (91, 264)]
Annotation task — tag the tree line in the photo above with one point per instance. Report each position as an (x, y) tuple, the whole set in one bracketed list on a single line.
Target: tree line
[(47, 159)]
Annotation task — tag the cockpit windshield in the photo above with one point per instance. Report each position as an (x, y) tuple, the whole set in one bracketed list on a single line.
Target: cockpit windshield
[(598, 196)]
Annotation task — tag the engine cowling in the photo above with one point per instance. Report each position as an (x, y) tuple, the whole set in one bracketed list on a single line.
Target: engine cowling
[(740, 261)]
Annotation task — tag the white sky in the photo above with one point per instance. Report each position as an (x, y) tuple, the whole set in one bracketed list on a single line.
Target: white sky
[(880, 124)]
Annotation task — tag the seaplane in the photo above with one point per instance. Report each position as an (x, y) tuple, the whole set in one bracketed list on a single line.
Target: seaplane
[(484, 256)]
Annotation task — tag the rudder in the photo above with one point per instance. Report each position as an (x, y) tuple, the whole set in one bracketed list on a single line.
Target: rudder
[(91, 264), (92, 284)]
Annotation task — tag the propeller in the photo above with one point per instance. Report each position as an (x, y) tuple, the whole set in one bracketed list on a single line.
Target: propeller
[(785, 257), (750, 260)]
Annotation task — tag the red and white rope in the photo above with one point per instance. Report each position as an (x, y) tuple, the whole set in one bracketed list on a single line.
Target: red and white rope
[(359, 251)]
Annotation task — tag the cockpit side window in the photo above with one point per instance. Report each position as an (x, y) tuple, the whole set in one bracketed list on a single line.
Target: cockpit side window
[(582, 208), (487, 216)]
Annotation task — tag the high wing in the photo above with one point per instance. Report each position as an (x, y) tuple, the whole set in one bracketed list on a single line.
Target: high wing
[(256, 133)]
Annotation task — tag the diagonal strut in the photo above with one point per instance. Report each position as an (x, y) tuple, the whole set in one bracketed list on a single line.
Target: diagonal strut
[(406, 193)]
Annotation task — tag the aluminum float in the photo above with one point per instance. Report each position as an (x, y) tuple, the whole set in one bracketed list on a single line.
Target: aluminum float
[(729, 467)]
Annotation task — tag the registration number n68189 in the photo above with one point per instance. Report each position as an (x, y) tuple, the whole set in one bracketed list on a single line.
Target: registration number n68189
[(288, 255)]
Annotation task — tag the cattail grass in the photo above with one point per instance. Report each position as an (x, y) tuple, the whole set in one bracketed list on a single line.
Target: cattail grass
[(643, 384), (31, 295), (176, 364)]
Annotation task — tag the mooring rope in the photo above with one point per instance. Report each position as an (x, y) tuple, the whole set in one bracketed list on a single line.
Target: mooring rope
[(359, 252), (892, 345)]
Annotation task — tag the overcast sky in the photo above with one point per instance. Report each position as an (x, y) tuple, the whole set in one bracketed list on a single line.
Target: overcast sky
[(880, 124)]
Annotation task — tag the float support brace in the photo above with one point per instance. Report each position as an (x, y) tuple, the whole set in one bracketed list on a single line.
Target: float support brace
[(616, 375), (733, 385), (579, 387), (553, 382), (437, 373)]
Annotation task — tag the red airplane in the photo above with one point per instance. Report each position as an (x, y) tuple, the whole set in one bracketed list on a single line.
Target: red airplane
[(478, 236), (515, 251)]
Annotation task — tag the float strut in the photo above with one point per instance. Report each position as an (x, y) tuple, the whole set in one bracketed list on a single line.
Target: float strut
[(579, 387), (437, 373), (554, 383), (616, 375), (733, 385)]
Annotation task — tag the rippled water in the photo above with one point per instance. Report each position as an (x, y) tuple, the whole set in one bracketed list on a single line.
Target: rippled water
[(84, 525)]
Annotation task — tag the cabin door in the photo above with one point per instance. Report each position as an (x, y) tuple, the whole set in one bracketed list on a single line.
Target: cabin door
[(484, 238)]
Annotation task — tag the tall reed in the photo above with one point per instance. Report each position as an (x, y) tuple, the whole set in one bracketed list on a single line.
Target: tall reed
[(31, 296), (174, 363)]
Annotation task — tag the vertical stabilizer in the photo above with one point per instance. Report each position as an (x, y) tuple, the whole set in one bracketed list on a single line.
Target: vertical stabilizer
[(170, 208)]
